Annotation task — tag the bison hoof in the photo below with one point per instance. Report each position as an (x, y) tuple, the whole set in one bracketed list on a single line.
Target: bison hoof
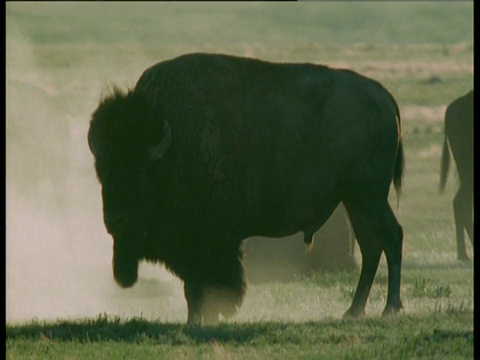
[(210, 318), (353, 313), (391, 310), (463, 257), (194, 320)]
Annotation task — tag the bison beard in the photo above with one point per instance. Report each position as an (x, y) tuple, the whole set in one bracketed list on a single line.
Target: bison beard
[(208, 150), (125, 267)]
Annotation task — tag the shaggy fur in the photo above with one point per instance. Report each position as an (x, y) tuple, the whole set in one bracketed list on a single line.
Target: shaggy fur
[(256, 149)]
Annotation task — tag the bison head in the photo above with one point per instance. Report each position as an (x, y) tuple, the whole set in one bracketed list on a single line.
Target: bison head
[(128, 137)]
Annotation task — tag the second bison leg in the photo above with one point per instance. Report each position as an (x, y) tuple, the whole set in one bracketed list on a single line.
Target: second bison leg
[(194, 296), (371, 251), (218, 288), (377, 230), (462, 209), (391, 235), (225, 286)]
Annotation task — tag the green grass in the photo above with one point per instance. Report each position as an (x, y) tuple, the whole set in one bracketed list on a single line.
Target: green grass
[(73, 50), (443, 333)]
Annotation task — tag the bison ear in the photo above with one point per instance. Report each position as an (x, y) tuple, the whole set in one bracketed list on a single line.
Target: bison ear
[(157, 151)]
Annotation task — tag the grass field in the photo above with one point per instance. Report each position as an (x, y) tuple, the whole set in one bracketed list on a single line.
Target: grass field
[(61, 298)]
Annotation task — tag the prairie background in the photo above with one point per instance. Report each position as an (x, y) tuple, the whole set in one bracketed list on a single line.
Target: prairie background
[(61, 300)]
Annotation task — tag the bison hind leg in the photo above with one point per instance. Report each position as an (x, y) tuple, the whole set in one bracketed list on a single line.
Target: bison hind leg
[(462, 208), (376, 230)]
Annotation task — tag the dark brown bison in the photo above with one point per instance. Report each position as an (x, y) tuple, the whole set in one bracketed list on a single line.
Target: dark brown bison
[(459, 133), (208, 150)]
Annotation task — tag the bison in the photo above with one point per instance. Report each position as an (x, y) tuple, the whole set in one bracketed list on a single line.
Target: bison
[(459, 134), (209, 149)]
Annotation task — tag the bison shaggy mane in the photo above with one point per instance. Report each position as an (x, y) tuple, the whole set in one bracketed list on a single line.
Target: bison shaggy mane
[(123, 137)]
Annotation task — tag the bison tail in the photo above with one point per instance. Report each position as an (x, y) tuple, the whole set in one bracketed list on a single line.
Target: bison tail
[(399, 167), (398, 171), (445, 165)]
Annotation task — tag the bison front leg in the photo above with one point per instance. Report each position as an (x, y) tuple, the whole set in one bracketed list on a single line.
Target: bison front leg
[(219, 290), (194, 296), (201, 308)]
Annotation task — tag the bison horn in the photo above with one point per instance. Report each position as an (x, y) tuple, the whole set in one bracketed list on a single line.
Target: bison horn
[(156, 152)]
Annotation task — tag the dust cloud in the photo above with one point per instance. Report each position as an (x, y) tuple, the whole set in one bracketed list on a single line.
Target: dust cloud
[(58, 254)]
